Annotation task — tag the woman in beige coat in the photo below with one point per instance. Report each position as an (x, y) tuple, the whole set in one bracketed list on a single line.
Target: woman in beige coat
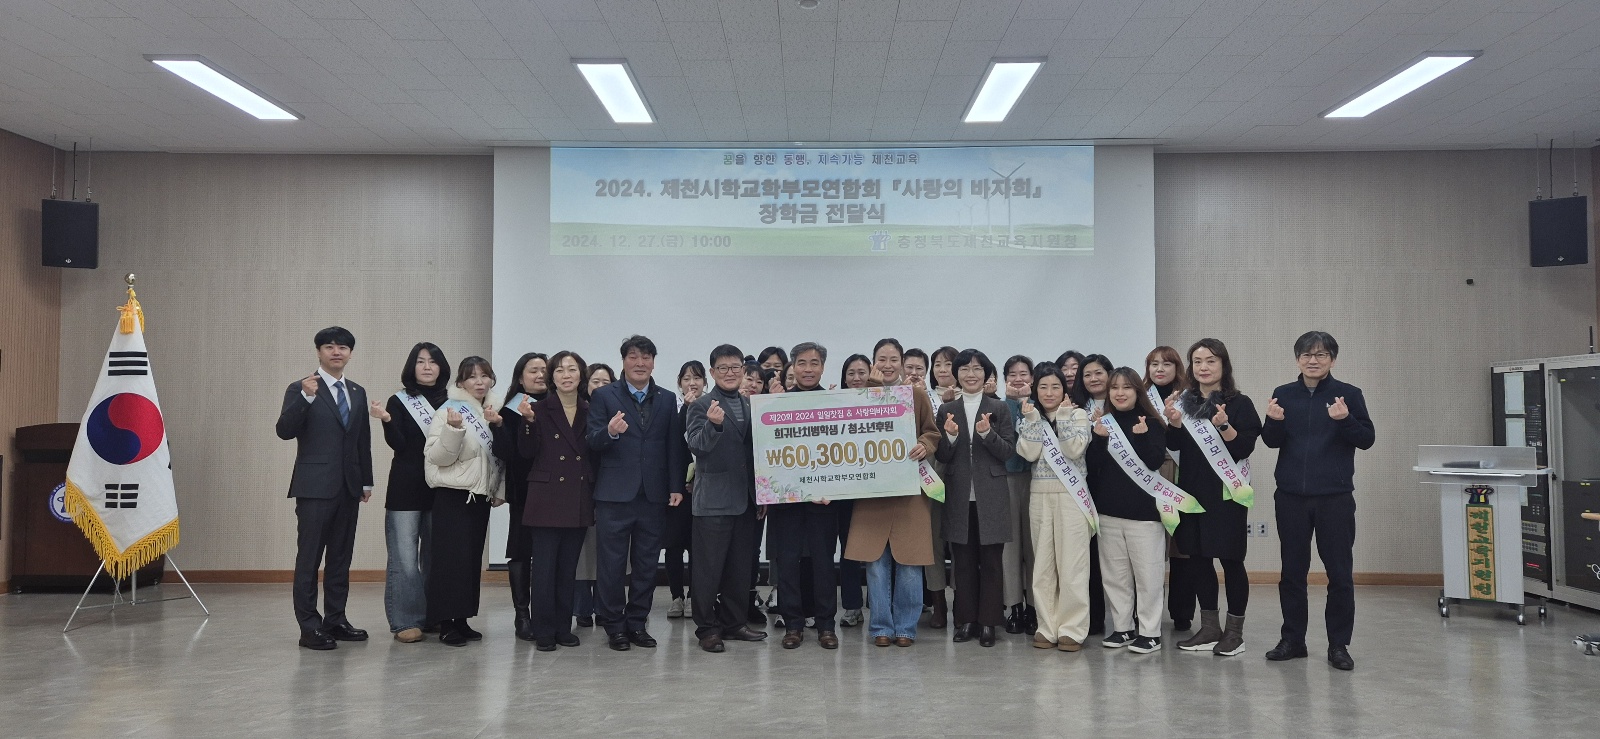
[(459, 463), (894, 536)]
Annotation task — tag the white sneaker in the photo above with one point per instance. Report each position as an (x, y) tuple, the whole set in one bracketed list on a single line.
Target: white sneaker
[(676, 609), (852, 617)]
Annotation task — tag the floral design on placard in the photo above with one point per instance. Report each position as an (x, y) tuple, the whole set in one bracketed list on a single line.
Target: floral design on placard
[(769, 491)]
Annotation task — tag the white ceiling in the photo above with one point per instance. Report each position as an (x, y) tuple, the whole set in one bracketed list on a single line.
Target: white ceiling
[(461, 75)]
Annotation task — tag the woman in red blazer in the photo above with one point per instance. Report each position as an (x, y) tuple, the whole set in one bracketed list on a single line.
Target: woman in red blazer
[(560, 507)]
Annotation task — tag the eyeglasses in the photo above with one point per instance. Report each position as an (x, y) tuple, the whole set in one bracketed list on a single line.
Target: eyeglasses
[(970, 370), (1319, 356), (727, 368)]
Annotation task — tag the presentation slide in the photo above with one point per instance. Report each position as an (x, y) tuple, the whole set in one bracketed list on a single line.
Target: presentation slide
[(783, 283), (1015, 201)]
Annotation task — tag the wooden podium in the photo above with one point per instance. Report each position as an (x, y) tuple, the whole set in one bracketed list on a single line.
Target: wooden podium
[(48, 553)]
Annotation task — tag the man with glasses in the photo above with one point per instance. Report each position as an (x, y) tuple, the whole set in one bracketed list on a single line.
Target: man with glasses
[(1317, 423), (724, 504)]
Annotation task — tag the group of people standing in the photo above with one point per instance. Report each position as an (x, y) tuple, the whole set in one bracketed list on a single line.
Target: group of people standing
[(1070, 487)]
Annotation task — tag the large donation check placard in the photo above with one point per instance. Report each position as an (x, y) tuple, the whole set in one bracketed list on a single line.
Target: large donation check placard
[(834, 444)]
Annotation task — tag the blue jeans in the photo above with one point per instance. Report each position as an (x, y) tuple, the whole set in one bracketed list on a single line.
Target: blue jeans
[(409, 535), (896, 613)]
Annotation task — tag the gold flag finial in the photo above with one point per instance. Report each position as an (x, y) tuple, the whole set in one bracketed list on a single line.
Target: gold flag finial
[(132, 314)]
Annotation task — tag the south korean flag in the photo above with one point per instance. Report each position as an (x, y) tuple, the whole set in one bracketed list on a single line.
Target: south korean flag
[(119, 482)]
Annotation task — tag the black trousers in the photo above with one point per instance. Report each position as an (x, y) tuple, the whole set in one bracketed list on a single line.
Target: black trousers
[(1332, 520), (1204, 577), (555, 563), (676, 532), (1097, 589), (979, 578), (852, 575), (323, 525), (1180, 590), (719, 571), (460, 524), (626, 534), (793, 529)]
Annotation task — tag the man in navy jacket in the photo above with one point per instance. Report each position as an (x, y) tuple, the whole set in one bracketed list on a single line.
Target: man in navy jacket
[(635, 430), (1317, 423)]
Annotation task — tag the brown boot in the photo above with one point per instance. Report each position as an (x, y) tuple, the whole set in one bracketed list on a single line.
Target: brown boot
[(941, 610), (1206, 636), (1232, 641)]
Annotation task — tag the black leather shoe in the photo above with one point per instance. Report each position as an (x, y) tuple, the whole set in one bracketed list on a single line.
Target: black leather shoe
[(344, 632), (641, 638), (466, 631), (1339, 657), (964, 632), (1014, 620), (317, 639), (744, 633), (586, 620), (523, 625), (568, 639), (450, 635), (712, 643), (544, 646), (1287, 650), (986, 636), (619, 642)]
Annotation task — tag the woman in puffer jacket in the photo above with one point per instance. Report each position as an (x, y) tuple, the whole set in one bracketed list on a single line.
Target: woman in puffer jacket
[(459, 463)]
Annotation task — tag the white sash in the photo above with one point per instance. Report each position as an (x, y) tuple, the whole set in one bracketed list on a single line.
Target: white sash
[(932, 486), (516, 402), (479, 427), (1160, 405), (1170, 499), (421, 412), (1069, 474), (1235, 475)]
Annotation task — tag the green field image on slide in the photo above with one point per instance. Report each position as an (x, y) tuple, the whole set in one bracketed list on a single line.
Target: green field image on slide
[(605, 239)]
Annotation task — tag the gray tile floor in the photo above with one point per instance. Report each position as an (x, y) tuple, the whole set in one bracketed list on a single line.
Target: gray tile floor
[(164, 670)]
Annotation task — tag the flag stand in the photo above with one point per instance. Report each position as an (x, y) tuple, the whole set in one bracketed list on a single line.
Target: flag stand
[(133, 594)]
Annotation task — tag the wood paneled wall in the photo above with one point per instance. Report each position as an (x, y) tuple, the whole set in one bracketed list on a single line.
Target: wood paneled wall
[(30, 311)]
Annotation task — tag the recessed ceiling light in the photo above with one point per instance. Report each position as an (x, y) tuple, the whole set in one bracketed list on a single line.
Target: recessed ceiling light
[(1002, 85), (613, 83), (217, 82), (1402, 83)]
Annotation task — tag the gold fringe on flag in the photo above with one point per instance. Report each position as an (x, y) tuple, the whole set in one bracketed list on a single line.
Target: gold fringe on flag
[(118, 564), (131, 311)]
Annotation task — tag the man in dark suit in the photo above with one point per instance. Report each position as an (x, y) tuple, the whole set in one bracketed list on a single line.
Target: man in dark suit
[(724, 507), (635, 430), (326, 415)]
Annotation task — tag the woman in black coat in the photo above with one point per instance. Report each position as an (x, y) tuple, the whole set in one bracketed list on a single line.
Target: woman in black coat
[(408, 504), (559, 507), (1219, 533), (530, 379)]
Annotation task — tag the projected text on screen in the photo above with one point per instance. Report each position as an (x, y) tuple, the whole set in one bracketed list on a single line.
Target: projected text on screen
[(1004, 201)]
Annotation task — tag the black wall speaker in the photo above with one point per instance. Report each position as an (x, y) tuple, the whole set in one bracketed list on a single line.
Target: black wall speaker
[(1558, 231), (70, 233)]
